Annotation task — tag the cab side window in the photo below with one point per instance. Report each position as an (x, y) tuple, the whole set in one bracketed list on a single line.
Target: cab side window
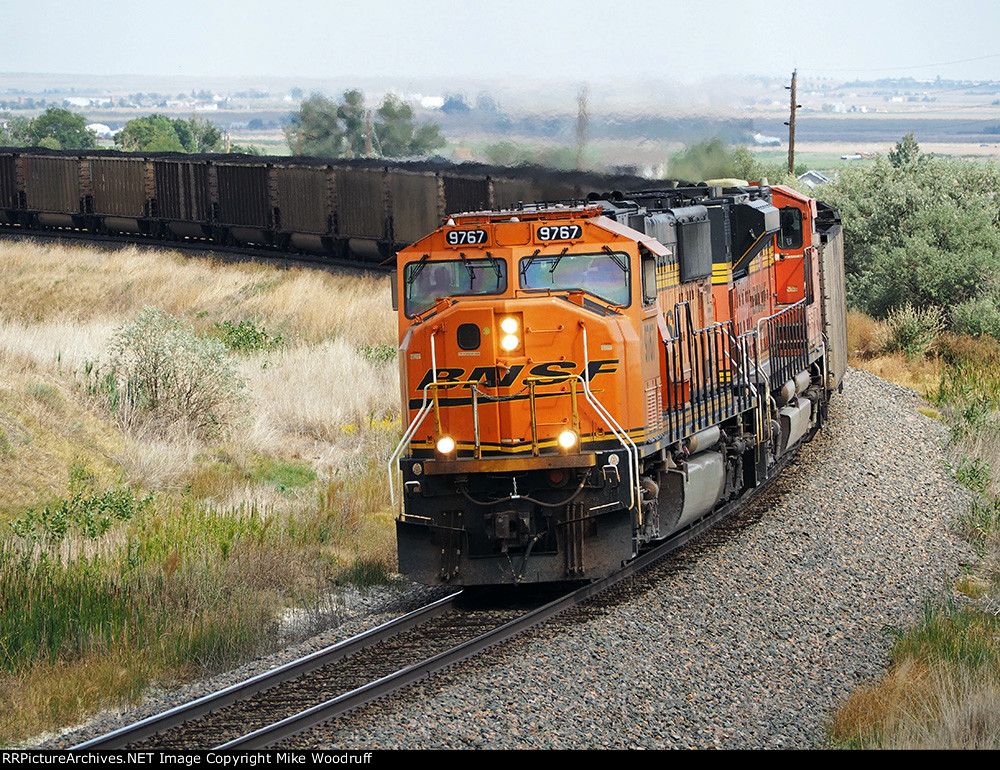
[(790, 236)]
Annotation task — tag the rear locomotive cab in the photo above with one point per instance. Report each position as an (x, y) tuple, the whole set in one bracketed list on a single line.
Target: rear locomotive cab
[(520, 338)]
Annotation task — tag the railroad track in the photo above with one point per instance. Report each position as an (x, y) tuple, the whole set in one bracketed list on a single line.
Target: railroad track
[(198, 247), (277, 705)]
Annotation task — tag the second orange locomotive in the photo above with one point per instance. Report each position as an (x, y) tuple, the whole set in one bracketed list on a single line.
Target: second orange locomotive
[(581, 379)]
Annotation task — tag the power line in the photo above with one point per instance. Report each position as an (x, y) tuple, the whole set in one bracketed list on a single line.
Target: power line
[(910, 67)]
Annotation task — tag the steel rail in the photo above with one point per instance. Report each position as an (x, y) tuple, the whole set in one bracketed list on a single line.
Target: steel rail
[(187, 712), (335, 707)]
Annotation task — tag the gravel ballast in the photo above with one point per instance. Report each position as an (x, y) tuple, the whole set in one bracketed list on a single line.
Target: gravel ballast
[(748, 639)]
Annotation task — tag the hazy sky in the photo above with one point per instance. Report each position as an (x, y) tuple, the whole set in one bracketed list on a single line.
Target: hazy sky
[(540, 39)]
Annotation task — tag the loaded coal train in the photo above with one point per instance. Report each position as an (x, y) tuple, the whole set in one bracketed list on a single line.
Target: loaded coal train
[(582, 380), (361, 210)]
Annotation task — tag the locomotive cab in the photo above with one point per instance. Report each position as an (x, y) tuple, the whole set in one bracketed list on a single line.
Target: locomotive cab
[(513, 328)]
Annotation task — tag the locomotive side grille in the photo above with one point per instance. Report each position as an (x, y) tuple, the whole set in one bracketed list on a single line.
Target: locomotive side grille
[(654, 401)]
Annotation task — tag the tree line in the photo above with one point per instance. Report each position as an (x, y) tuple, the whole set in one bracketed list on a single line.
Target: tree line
[(922, 232), (60, 129), (320, 127), (54, 129), (346, 129)]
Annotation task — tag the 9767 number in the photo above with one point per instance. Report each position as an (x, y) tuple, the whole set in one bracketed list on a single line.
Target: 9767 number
[(466, 237), (559, 232)]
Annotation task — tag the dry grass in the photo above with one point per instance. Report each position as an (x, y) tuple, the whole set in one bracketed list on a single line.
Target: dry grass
[(43, 697), (263, 515), (922, 373), (919, 707), (59, 284), (316, 398), (320, 393), (867, 342), (866, 336), (45, 427)]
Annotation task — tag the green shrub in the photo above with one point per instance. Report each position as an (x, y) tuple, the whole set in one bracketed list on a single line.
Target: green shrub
[(245, 337), (379, 353), (913, 330), (83, 513), (977, 317), (159, 371), (917, 229)]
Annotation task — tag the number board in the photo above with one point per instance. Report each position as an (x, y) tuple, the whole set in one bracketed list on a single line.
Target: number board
[(467, 237), (548, 233)]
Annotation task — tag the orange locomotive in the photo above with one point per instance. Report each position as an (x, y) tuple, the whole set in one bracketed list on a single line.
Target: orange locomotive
[(581, 379)]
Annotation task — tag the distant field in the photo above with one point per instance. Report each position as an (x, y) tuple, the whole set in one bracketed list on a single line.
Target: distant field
[(271, 142), (829, 156), (858, 129)]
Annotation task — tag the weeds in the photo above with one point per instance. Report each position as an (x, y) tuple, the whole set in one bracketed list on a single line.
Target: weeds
[(366, 573), (282, 475), (981, 524), (379, 353), (973, 473), (45, 394), (158, 370), (913, 330), (941, 689), (246, 337)]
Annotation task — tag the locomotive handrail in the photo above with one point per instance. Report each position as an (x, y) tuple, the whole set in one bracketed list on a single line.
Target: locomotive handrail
[(784, 366), (393, 465), (412, 429), (709, 352), (635, 493)]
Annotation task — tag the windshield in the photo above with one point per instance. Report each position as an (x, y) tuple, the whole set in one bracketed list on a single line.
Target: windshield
[(604, 275), (426, 282)]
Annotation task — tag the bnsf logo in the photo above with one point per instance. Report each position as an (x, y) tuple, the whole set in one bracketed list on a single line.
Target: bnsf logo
[(552, 371)]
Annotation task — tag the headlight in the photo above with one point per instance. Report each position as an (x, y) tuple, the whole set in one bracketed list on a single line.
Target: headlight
[(568, 439), (509, 328), (446, 445)]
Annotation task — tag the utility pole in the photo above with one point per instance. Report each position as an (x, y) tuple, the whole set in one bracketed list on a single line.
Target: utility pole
[(791, 125)]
